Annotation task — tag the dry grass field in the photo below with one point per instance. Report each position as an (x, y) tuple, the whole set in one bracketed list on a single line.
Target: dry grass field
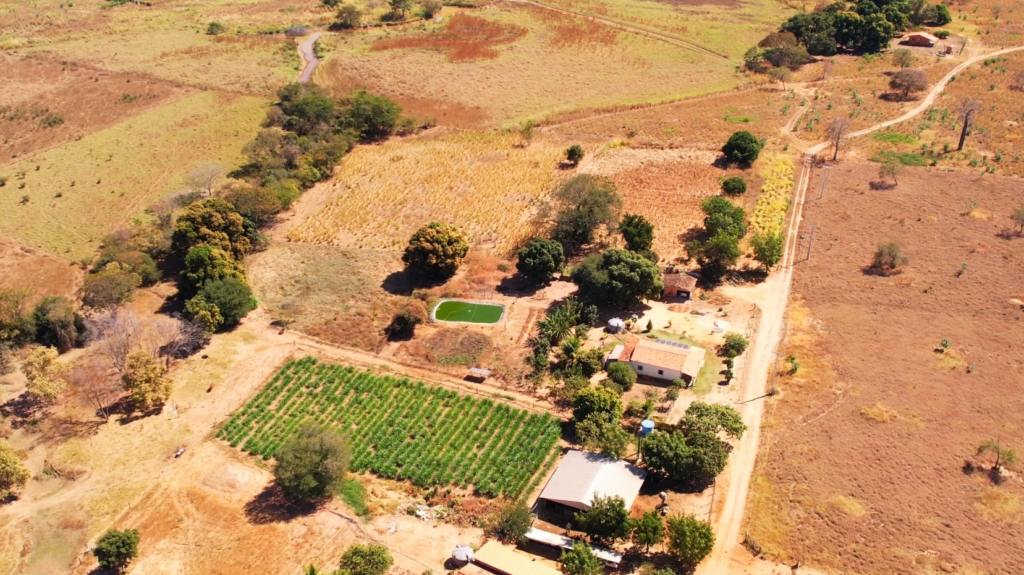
[(863, 465), (64, 200), (485, 183)]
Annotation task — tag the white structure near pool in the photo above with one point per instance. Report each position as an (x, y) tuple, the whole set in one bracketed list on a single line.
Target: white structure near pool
[(659, 359)]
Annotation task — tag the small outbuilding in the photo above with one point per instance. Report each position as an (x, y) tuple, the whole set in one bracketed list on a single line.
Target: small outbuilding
[(661, 359), (581, 476), (920, 39), (505, 560), (679, 285)]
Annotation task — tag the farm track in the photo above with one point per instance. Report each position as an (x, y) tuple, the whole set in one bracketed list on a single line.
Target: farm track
[(730, 523)]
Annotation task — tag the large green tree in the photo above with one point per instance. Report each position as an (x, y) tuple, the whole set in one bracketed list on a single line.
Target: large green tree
[(715, 256), (436, 250), (232, 297), (580, 560), (768, 248), (637, 231), (690, 539), (213, 222), (116, 549), (618, 277), (607, 519), (742, 148), (204, 264), (596, 400), (722, 216), (580, 205), (373, 117), (712, 418), (696, 458), (602, 432), (648, 530), (311, 463), (540, 259)]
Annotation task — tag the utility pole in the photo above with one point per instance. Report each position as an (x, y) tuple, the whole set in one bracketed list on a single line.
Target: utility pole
[(811, 243), (822, 196)]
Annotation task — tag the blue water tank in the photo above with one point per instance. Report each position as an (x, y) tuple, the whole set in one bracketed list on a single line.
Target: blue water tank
[(646, 427)]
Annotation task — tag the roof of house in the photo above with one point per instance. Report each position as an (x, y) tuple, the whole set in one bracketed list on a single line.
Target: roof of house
[(679, 357), (580, 476), (504, 559), (931, 37), (680, 281), (555, 540)]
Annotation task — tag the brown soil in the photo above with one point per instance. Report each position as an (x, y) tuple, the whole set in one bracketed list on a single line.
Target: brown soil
[(38, 271), (84, 98), (464, 38), (863, 464)]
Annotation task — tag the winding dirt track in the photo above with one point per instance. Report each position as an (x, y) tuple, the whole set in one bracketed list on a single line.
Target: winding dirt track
[(773, 296)]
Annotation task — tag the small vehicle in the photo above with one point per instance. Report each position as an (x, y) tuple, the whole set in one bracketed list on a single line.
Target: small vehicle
[(180, 450)]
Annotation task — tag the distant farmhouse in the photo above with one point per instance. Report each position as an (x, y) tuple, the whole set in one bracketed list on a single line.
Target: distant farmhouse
[(920, 39), (660, 359), (678, 285)]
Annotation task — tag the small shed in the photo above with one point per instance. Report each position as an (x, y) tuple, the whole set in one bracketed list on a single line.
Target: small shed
[(920, 39), (679, 285), (479, 374)]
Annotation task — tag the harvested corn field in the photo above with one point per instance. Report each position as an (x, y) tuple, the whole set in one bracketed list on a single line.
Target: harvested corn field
[(400, 429), (485, 184)]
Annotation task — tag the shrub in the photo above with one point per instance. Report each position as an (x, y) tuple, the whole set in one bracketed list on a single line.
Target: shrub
[(889, 256), (734, 186), (596, 400), (144, 381), (637, 231), (403, 324), (540, 259), (690, 539), (574, 154), (368, 559), (431, 8), (374, 117), (622, 375), (215, 28), (116, 549), (13, 475), (722, 216), (311, 464), (110, 286), (232, 297), (349, 16), (580, 560), (435, 250), (742, 148), (734, 345), (510, 523)]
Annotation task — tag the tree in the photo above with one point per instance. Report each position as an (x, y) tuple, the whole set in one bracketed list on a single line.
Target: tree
[(712, 418), (366, 559), (734, 186), (890, 168), (373, 117), (206, 263), (13, 475), (967, 108), (17, 324), (204, 313), (695, 458), (145, 382), (403, 324), (215, 29), (231, 296), (259, 205), (540, 259), (116, 549), (781, 74), (648, 530), (618, 277), (606, 520), (400, 6), (875, 33), (580, 560), (903, 58), (93, 382), (1004, 455), (574, 154), (723, 216), (908, 80), (596, 400), (57, 324), (203, 178), (836, 134), (715, 256), (583, 203), (742, 148), (116, 334), (690, 539), (431, 8), (768, 248), (45, 377), (1018, 218), (889, 256), (110, 286), (213, 222), (735, 344), (436, 250), (349, 16), (510, 523), (622, 375), (602, 432), (311, 463), (637, 231)]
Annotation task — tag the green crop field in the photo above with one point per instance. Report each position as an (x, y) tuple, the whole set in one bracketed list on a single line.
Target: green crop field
[(400, 429), (464, 311)]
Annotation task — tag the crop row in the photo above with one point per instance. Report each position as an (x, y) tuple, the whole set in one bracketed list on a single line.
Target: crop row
[(400, 429)]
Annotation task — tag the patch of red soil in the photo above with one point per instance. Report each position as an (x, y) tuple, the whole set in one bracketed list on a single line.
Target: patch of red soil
[(464, 38), (41, 273), (870, 471)]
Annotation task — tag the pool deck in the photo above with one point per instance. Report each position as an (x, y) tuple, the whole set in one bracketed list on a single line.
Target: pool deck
[(504, 312)]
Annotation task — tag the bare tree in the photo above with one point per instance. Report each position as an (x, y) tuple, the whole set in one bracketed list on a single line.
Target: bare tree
[(903, 57), (908, 80), (116, 333), (204, 177), (780, 74), (967, 108), (95, 384), (836, 133), (1017, 83), (174, 337), (890, 169)]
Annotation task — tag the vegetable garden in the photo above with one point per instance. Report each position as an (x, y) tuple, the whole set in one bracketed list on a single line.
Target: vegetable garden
[(400, 429)]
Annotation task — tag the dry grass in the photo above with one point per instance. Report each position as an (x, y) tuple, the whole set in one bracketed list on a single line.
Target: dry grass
[(879, 412), (65, 200), (850, 505), (463, 38), (951, 360), (481, 182), (998, 505)]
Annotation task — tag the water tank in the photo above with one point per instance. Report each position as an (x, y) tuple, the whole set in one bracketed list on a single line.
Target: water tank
[(646, 427)]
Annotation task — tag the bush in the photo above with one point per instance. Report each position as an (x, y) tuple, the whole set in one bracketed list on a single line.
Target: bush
[(374, 117), (510, 523), (603, 433), (622, 375), (206, 264), (311, 464), (618, 277), (13, 475), (403, 324), (540, 259), (734, 186), (349, 16), (722, 216), (596, 400), (116, 549), (110, 286), (742, 148), (638, 233), (368, 559), (580, 560), (768, 248), (574, 154), (57, 324), (232, 297), (889, 256), (436, 250), (431, 8), (734, 345), (215, 28), (606, 520), (942, 34), (690, 539)]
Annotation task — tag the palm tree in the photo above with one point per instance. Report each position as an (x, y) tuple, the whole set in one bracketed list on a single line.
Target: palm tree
[(571, 348)]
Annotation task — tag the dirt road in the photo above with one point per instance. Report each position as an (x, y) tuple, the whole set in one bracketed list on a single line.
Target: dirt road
[(773, 295)]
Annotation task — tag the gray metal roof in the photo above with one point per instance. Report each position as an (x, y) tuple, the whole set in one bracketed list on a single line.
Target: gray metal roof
[(581, 475)]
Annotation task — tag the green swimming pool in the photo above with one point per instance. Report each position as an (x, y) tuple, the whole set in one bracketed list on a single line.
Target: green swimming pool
[(459, 311)]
